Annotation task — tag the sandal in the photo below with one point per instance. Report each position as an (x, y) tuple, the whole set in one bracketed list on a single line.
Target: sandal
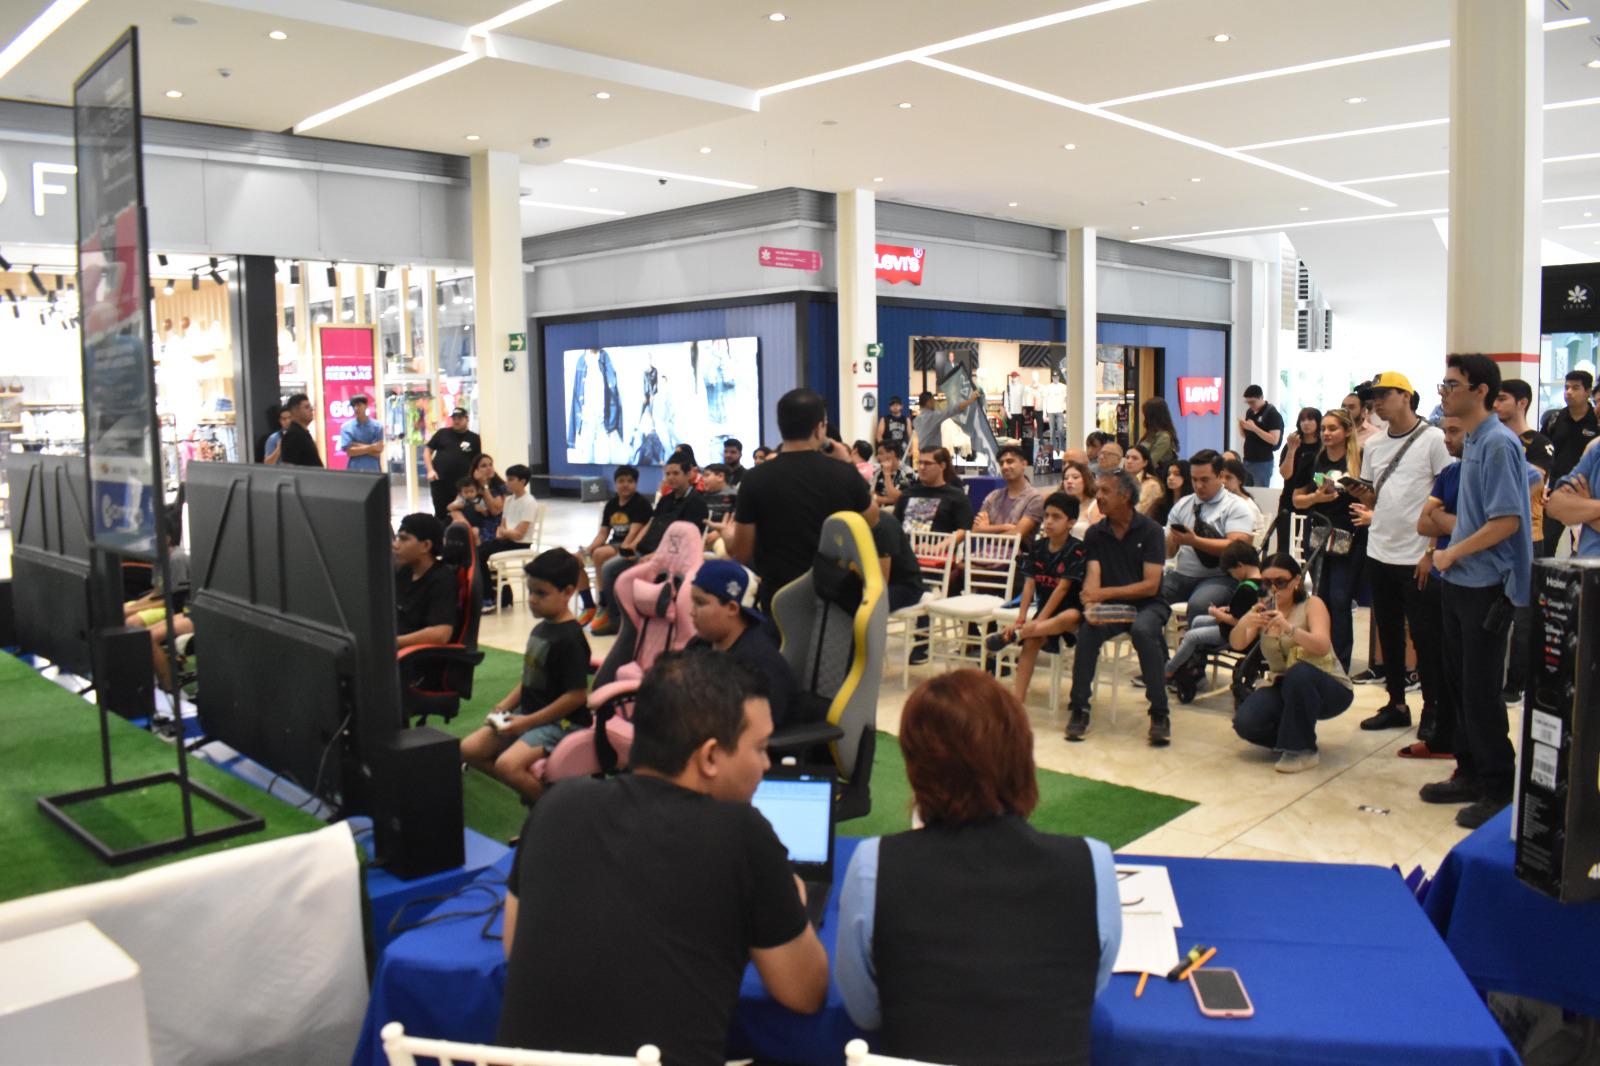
[(1420, 750)]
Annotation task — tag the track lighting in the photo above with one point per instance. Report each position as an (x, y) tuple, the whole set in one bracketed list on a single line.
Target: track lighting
[(333, 275), (38, 283), (383, 275), (294, 273), (5, 264)]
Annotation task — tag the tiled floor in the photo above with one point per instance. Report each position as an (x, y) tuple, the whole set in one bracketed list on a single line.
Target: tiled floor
[(1360, 805)]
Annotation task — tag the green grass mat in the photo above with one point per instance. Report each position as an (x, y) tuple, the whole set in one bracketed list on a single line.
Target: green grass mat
[(1067, 803), (50, 743)]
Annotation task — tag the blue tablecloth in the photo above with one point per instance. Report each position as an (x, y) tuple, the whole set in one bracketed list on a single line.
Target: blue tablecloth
[(1341, 964), (1509, 937)]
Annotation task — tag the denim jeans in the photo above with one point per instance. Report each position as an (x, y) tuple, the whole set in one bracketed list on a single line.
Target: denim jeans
[(1214, 589), (1261, 473), (1473, 660), (608, 577), (1284, 716), (1148, 642), (1338, 591), (1203, 635)]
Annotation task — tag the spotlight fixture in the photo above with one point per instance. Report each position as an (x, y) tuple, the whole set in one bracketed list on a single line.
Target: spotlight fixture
[(1221, 38), (333, 275), (161, 258), (1133, 227), (43, 320), (1593, 64), (602, 95), (216, 277), (705, 149), (194, 282), (1355, 99), (1196, 181), (16, 312), (38, 283), (877, 179), (1012, 203), (1305, 209), (174, 94), (5, 264), (777, 16), (11, 294), (166, 290), (383, 275), (1070, 147), (904, 105), (61, 282), (50, 298), (473, 137), (212, 260), (294, 273), (277, 35)]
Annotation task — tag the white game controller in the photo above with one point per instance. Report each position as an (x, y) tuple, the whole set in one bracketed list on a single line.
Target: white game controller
[(500, 721)]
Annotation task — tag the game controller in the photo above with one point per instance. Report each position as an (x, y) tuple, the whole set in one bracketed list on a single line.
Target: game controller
[(500, 721)]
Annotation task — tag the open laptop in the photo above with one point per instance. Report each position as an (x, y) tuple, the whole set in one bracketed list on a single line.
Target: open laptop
[(799, 806)]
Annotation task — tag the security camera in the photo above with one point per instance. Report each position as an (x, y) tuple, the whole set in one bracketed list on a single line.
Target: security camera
[(661, 181), (224, 72), (541, 142)]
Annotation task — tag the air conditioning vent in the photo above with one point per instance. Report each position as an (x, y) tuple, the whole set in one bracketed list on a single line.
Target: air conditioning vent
[(1303, 281), (1327, 330), (1302, 325)]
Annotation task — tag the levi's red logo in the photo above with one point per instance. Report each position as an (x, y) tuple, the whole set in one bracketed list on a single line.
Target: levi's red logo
[(1199, 396), (897, 263)]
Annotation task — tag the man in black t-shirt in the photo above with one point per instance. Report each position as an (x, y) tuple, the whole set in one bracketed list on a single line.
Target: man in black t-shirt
[(902, 574), (777, 521), (426, 593), (680, 503), (449, 455), (1126, 554), (930, 503), (296, 447), (1262, 430), (733, 459), (1571, 429), (659, 886)]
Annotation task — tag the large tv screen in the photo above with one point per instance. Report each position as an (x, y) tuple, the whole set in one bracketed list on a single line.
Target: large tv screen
[(635, 404)]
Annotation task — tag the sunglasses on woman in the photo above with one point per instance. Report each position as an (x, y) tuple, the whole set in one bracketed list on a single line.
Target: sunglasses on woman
[(1278, 583)]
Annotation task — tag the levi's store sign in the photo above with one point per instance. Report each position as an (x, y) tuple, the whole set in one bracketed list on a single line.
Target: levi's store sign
[(1199, 396), (897, 263)]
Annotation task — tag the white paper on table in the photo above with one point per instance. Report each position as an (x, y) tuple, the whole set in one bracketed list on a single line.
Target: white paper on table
[(1149, 945), (1147, 890)]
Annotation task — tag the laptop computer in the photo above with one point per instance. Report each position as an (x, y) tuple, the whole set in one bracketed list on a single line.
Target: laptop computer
[(799, 807)]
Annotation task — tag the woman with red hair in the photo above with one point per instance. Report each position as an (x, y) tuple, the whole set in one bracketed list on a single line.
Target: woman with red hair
[(976, 938)]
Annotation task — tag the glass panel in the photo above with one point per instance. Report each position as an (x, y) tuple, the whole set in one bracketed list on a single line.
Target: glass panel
[(458, 362), (1563, 353)]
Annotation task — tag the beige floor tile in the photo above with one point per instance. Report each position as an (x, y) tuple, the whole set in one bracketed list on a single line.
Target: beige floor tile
[(1245, 851), (1166, 840)]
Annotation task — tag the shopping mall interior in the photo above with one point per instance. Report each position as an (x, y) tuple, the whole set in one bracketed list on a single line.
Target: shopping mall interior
[(1075, 245)]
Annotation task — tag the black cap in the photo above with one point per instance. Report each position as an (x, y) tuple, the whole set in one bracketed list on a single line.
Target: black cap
[(424, 527), (459, 412)]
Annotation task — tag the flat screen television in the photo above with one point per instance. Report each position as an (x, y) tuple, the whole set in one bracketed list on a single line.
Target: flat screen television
[(292, 597), (633, 404)]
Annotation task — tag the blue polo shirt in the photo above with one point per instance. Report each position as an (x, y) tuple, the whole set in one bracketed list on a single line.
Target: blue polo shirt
[(1589, 467), (1494, 484), (356, 433)]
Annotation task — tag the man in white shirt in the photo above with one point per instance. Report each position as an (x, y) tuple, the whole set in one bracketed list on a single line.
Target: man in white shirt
[(1401, 465), (1198, 528), (516, 522)]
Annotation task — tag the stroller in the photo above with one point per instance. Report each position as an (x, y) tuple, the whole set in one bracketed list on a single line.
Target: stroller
[(656, 608)]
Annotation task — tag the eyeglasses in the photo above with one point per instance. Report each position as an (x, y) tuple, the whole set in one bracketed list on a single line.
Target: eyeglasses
[(1279, 583), (1447, 387)]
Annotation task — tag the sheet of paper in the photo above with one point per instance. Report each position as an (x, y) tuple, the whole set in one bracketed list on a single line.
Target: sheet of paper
[(1147, 890), (1149, 945)]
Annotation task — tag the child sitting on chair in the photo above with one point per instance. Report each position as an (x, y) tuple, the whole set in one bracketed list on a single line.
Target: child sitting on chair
[(725, 619), (1211, 631), (551, 699), (1054, 570)]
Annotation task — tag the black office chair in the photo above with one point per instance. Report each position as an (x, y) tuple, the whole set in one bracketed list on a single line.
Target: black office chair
[(435, 678)]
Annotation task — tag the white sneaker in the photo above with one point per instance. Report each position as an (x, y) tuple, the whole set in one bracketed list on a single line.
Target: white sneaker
[(1292, 762)]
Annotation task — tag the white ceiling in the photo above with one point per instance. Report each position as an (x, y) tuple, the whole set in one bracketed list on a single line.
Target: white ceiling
[(682, 77)]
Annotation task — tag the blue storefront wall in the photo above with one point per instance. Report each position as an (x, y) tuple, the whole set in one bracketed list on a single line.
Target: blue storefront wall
[(1189, 352), (773, 324)]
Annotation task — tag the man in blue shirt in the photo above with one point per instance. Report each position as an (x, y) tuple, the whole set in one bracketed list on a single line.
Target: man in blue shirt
[(1573, 503), (1486, 572), (361, 439)]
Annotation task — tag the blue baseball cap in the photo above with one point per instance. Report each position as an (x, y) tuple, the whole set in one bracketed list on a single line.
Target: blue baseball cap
[(731, 583)]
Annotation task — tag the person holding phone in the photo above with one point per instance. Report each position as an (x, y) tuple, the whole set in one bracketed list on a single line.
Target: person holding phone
[(1346, 550), (1486, 573), (1307, 684)]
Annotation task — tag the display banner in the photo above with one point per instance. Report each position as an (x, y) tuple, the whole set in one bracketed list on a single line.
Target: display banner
[(1199, 396), (897, 263), (790, 258), (349, 368), (1571, 301), (121, 435)]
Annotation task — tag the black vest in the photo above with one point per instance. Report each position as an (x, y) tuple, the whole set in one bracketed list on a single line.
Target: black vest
[(986, 945)]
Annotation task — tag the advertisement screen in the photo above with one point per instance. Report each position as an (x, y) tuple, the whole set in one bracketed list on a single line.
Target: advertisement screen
[(636, 404)]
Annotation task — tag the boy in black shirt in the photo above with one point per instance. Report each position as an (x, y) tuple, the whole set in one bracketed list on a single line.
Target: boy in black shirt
[(902, 573), (719, 498), (425, 590), (725, 619), (1053, 569), (627, 509), (892, 478), (679, 503), (551, 699)]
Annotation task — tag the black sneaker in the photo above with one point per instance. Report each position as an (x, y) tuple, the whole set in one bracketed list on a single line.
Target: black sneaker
[(996, 641), (1455, 790), (1078, 725), (1511, 696), (1394, 716), (1160, 734), (1369, 676), (1413, 682), (1483, 810), (919, 655)]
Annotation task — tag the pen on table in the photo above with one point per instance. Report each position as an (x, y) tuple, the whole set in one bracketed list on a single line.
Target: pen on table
[(1201, 961), (1137, 992)]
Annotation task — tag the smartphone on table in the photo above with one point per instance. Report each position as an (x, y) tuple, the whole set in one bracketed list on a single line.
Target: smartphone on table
[(1220, 994)]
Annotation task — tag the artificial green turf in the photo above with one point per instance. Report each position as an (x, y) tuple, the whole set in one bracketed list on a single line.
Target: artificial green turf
[(1067, 803), (50, 743)]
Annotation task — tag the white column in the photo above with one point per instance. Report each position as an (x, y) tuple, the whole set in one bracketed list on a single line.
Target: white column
[(857, 228), (499, 308), (1496, 182), (1082, 333)]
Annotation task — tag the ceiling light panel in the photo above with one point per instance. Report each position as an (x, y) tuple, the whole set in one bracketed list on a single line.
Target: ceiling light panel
[(383, 92), (36, 32), (1297, 224), (628, 168), (582, 209)]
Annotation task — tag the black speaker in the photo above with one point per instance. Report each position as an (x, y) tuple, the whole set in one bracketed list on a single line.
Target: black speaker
[(417, 824), (8, 623), (124, 676)]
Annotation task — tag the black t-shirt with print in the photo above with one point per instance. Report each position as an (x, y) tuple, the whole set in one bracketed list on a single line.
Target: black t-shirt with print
[(620, 518), (1048, 568), (555, 662), (944, 509), (454, 453), (662, 918)]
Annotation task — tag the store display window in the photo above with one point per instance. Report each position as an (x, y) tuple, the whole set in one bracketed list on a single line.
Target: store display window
[(1559, 355)]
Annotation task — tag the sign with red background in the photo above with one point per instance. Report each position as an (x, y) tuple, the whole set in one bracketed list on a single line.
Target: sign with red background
[(1199, 396), (897, 263), (790, 258), (349, 368)]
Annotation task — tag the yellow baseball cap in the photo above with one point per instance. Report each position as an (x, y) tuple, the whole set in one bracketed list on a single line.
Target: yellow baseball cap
[(1391, 380)]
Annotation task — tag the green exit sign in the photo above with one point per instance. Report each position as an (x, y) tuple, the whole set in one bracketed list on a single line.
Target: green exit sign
[(519, 342)]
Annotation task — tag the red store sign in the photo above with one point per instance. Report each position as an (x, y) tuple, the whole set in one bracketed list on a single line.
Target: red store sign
[(791, 259), (1199, 396), (897, 263), (349, 368)]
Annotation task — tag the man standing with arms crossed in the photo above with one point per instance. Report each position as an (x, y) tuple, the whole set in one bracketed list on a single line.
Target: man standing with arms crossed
[(1571, 430), (1486, 572), (361, 439)]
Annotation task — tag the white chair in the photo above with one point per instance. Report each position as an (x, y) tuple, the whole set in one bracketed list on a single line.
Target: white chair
[(505, 571), (1121, 648), (402, 1051), (989, 572), (856, 1054), (1008, 657), (1297, 537), (936, 558)]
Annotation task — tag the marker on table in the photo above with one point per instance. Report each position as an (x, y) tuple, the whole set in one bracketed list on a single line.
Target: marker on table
[(1176, 973), (1201, 961), (1137, 992)]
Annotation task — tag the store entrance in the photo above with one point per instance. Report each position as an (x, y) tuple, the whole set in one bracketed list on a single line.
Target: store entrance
[(1024, 391), (1126, 377), (1559, 355)]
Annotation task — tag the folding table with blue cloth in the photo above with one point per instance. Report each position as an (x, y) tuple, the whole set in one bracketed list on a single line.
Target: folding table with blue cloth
[(1341, 964), (1507, 936)]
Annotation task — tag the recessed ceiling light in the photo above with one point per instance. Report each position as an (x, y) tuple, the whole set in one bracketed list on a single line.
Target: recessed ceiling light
[(174, 94), (602, 95), (1588, 214), (1133, 227), (473, 137), (185, 20), (904, 105), (1593, 64), (278, 35), (1070, 147), (877, 179), (1012, 203), (1355, 99), (1197, 181), (594, 188), (705, 149), (1221, 38), (1305, 209), (777, 16)]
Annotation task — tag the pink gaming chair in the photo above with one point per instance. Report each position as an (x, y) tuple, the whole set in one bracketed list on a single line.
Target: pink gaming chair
[(656, 618)]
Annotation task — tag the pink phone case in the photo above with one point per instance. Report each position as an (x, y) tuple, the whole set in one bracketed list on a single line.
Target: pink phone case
[(1212, 1012)]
